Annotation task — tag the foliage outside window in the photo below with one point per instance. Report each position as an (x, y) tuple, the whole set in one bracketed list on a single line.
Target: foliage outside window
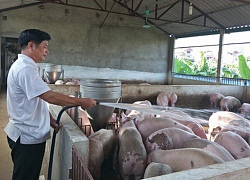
[(196, 55), (236, 55), (199, 55)]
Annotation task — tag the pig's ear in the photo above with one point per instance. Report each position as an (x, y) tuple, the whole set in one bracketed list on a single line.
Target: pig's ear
[(217, 129)]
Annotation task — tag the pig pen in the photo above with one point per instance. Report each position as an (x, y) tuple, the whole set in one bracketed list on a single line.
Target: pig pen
[(192, 97)]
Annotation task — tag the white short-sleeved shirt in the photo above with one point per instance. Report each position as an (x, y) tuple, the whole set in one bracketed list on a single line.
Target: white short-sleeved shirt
[(29, 114)]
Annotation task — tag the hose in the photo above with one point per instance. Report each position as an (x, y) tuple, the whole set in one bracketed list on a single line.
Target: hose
[(53, 142)]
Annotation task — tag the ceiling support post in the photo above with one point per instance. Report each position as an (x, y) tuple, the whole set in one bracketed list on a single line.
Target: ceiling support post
[(219, 68)]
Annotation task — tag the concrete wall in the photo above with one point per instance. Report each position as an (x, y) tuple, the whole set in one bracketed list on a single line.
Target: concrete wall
[(189, 96), (233, 170), (119, 49), (70, 134)]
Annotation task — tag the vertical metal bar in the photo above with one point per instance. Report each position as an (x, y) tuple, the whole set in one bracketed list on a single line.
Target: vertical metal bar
[(205, 20), (79, 170), (182, 10), (156, 9), (76, 108), (219, 69)]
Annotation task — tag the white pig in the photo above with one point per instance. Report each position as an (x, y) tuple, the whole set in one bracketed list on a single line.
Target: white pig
[(166, 98), (101, 144), (215, 99), (229, 121), (230, 103), (132, 153), (138, 116), (234, 143), (245, 108), (157, 169)]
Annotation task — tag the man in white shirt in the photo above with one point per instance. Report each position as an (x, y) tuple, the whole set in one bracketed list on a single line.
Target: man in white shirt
[(27, 94)]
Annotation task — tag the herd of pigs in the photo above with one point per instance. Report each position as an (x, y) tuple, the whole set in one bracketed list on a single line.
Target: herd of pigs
[(68, 81), (148, 145)]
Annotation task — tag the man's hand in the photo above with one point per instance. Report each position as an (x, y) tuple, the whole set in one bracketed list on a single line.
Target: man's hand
[(55, 126), (87, 103)]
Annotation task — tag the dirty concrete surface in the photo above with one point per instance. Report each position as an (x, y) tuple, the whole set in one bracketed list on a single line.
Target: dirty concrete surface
[(5, 157)]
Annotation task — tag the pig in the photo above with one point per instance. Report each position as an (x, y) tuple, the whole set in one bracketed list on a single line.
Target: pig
[(157, 169), (239, 127), (197, 129), (226, 104), (59, 82), (113, 122), (72, 81), (69, 83), (138, 116), (125, 122), (245, 108), (146, 102), (234, 144), (82, 121), (166, 98), (184, 159), (168, 138), (181, 117), (223, 121), (193, 123), (132, 154), (101, 144), (210, 146), (150, 125), (230, 103), (215, 99)]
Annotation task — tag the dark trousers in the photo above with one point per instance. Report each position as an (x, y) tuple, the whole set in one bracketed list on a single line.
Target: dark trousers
[(27, 159)]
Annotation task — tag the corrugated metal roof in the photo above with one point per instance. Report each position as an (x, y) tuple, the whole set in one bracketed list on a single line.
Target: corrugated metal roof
[(169, 16)]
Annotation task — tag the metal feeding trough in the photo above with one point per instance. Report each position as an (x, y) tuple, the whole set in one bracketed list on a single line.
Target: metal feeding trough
[(52, 73), (102, 90)]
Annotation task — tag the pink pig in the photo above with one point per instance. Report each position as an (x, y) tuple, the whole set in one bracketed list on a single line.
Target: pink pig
[(230, 103), (245, 108), (132, 154), (166, 98), (234, 143), (215, 99)]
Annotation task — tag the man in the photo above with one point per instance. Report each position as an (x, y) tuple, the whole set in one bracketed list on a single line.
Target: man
[(27, 94)]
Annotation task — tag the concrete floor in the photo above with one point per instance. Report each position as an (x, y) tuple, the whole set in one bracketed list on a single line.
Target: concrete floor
[(5, 158), (6, 165)]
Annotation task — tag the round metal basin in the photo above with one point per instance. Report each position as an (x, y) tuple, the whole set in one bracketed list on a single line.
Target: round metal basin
[(102, 90)]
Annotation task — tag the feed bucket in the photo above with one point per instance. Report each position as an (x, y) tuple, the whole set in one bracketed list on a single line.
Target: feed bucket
[(102, 90)]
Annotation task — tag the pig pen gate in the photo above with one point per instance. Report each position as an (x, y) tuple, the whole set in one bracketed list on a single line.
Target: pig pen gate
[(79, 170)]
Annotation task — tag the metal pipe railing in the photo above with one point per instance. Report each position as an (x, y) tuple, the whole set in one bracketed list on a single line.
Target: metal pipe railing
[(223, 80)]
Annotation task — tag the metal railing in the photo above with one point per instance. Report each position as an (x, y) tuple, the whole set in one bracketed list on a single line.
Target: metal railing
[(223, 80), (79, 169)]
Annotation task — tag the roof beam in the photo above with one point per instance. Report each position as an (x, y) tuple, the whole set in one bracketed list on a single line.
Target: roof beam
[(167, 10), (242, 1), (207, 16), (139, 15), (21, 6), (137, 7)]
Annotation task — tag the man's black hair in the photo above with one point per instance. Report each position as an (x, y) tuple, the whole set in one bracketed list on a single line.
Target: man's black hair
[(32, 35)]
